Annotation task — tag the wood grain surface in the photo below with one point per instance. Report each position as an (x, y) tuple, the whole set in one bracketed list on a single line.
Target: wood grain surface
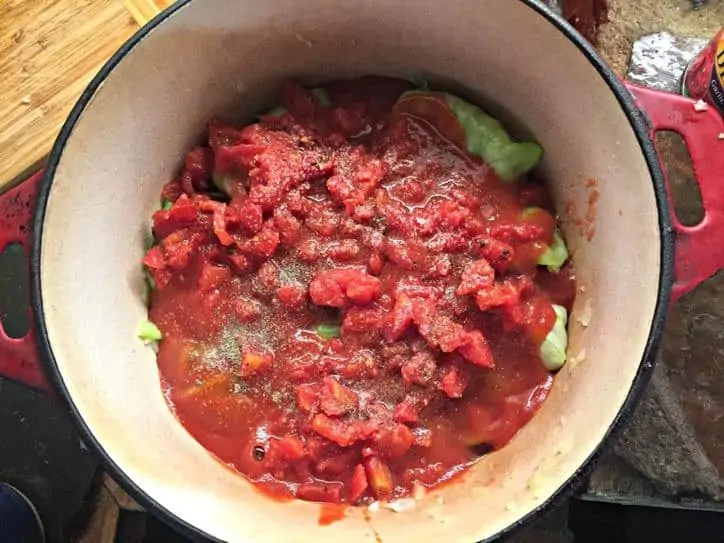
[(145, 10), (49, 51)]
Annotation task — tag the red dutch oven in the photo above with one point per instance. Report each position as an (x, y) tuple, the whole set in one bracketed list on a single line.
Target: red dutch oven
[(84, 219)]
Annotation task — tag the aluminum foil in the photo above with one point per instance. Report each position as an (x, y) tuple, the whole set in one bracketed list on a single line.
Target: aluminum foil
[(658, 60), (555, 5)]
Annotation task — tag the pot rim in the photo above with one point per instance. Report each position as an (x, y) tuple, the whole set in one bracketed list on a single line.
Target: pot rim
[(640, 126)]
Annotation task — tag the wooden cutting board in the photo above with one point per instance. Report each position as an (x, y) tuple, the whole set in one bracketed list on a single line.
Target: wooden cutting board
[(49, 51)]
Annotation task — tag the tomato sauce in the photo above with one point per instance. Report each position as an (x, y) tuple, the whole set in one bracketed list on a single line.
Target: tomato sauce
[(359, 315)]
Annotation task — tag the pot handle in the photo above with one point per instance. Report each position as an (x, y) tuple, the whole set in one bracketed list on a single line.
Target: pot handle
[(19, 358), (699, 249)]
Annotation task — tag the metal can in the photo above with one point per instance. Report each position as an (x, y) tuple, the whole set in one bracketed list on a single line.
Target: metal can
[(19, 521), (703, 78)]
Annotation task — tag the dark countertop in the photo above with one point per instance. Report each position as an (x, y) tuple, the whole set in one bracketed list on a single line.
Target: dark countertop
[(41, 455), (672, 452)]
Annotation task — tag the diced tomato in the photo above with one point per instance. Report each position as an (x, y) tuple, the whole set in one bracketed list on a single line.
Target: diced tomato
[(414, 288), (375, 263), (240, 263), (344, 250), (503, 293), (362, 365), (309, 250), (249, 215), (154, 258), (405, 413), (247, 310), (453, 381), (440, 332), (335, 287), (356, 177), (292, 296), (364, 290), (262, 245), (288, 226), (407, 254), (268, 275), (212, 276), (393, 441), (364, 319), (347, 121), (498, 253), (319, 448), (320, 492), (452, 214), (198, 167), (304, 369), (336, 399), (477, 275), (321, 220), (537, 226), (419, 370), (452, 243), (233, 160), (219, 222), (401, 317), (343, 432), (179, 248), (171, 191), (161, 277), (308, 397), (183, 211), (440, 266), (291, 448), (477, 350), (364, 213)]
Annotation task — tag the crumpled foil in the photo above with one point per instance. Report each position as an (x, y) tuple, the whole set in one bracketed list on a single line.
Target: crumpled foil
[(658, 60), (555, 5)]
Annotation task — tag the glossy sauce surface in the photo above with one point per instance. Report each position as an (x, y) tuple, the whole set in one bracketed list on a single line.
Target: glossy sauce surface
[(416, 259)]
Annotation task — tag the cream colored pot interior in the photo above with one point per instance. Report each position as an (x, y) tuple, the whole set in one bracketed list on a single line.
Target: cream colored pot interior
[(218, 56)]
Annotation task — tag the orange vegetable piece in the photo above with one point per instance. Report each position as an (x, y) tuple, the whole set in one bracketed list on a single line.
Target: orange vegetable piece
[(251, 363), (359, 483), (379, 477), (337, 399)]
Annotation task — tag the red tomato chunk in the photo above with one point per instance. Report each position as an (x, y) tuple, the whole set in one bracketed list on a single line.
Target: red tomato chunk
[(360, 313)]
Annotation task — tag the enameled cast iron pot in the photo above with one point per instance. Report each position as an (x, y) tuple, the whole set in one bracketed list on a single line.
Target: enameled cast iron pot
[(125, 137)]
